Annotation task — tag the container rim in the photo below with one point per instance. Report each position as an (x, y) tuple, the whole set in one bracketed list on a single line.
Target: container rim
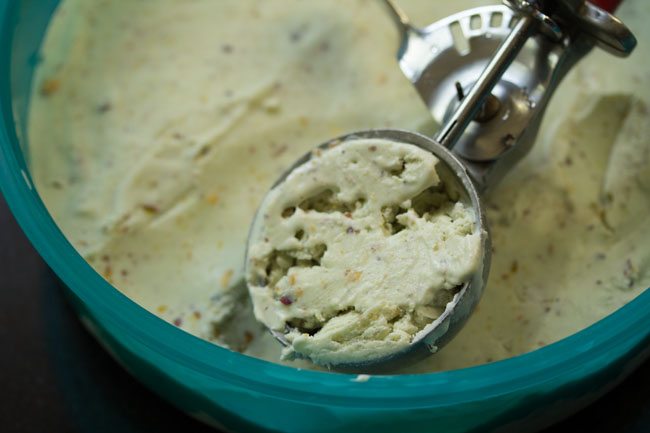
[(571, 358)]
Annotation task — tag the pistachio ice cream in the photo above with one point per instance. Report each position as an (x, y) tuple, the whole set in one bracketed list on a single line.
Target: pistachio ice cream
[(156, 129), (359, 249)]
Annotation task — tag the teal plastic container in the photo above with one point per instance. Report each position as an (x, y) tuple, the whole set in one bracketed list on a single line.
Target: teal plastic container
[(243, 394)]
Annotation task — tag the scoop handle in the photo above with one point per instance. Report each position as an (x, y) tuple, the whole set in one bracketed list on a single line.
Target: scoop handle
[(607, 5)]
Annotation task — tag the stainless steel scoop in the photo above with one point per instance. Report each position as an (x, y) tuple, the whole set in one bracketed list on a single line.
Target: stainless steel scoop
[(486, 75)]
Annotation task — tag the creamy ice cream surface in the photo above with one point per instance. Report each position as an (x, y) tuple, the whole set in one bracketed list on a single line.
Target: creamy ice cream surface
[(358, 250), (157, 127)]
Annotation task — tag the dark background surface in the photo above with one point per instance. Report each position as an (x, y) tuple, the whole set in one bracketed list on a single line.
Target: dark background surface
[(54, 377)]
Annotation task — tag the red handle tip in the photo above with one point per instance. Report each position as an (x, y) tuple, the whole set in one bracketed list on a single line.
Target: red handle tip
[(608, 5)]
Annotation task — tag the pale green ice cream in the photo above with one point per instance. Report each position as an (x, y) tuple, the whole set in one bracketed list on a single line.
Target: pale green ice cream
[(359, 249), (156, 128)]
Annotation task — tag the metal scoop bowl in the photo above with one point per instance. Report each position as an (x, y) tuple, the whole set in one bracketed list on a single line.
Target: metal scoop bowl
[(457, 311)]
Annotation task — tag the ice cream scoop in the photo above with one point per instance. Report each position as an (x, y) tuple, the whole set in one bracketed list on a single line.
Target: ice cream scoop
[(487, 75)]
